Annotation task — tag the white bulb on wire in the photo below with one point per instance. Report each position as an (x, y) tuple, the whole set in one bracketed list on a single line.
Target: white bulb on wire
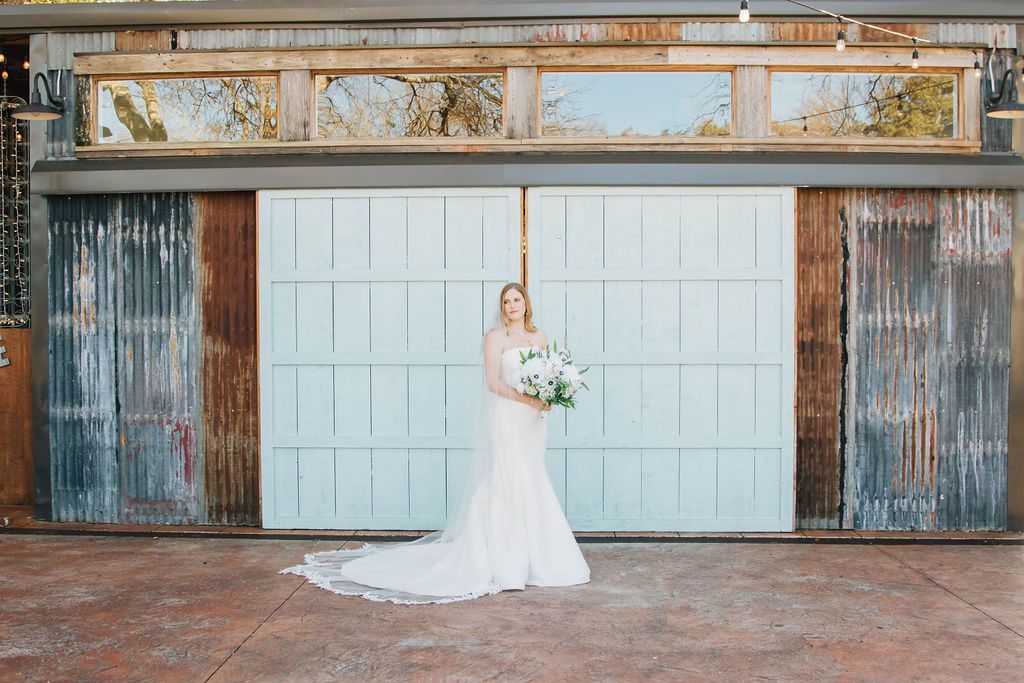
[(744, 11), (841, 40), (915, 59)]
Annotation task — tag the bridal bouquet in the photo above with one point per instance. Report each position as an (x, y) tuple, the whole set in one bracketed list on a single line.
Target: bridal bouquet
[(549, 374)]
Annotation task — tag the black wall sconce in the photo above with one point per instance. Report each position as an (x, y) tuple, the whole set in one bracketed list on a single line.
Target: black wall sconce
[(35, 110), (1000, 105)]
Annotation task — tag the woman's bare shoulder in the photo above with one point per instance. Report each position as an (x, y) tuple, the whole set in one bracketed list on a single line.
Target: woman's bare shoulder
[(492, 336)]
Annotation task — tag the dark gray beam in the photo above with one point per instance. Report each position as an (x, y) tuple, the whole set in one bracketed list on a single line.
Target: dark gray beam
[(285, 172), (32, 17)]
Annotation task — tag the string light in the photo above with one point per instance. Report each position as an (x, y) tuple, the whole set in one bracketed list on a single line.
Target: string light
[(977, 65), (25, 65), (841, 39)]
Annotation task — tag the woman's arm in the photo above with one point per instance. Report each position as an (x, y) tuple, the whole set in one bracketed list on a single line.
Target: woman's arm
[(492, 374)]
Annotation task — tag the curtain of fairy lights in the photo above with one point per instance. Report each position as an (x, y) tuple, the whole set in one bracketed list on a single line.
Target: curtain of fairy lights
[(14, 288)]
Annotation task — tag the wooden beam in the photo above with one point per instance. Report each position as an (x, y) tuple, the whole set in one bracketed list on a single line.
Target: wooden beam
[(551, 145), (750, 98), (522, 98), (387, 58), (970, 109), (295, 104)]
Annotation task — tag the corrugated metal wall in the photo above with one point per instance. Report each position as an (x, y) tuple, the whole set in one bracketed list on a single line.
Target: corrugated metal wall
[(85, 473), (153, 406), (230, 384), (918, 438), (930, 350), (820, 366), (993, 34)]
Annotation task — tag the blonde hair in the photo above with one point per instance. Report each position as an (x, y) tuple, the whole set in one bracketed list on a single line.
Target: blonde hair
[(527, 317)]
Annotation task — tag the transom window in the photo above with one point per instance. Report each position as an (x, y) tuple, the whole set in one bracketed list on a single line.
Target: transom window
[(878, 105), (215, 109), (410, 105), (636, 103)]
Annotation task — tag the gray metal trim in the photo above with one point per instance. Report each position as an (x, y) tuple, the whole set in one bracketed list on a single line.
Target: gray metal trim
[(289, 172), (21, 18), (39, 274)]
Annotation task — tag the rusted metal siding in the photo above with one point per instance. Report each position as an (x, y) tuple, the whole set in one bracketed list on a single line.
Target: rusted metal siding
[(157, 353), (85, 474), (16, 468), (820, 358), (993, 34), (153, 385), (931, 348), (230, 384)]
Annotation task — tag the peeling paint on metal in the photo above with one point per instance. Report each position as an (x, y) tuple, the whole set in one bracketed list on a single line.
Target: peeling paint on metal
[(931, 311)]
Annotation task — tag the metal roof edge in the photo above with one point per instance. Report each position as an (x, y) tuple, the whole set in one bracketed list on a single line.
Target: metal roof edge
[(36, 18), (266, 172)]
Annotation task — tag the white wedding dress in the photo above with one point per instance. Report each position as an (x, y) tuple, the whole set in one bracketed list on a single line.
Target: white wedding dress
[(508, 532)]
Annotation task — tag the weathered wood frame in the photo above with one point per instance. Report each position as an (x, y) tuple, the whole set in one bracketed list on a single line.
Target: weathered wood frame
[(751, 68)]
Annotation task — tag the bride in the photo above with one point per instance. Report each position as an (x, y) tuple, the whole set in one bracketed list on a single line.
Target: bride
[(508, 530)]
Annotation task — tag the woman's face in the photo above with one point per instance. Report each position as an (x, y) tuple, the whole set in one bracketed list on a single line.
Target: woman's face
[(514, 305)]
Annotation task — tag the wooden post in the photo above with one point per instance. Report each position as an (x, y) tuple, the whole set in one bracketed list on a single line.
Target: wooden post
[(750, 97), (521, 102), (295, 105)]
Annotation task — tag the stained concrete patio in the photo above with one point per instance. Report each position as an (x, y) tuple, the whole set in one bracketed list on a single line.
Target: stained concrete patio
[(89, 607)]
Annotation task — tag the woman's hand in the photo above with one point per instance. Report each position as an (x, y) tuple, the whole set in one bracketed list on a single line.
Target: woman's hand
[(543, 406)]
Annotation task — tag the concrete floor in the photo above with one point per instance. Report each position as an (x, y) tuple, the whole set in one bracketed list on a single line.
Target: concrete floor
[(139, 608)]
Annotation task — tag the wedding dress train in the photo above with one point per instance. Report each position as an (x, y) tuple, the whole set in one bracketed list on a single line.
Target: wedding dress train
[(509, 531)]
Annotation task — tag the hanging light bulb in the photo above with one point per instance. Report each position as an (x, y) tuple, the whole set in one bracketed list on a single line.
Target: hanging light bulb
[(977, 65), (915, 59), (4, 74), (805, 125), (841, 40), (25, 65), (2, 58), (744, 11)]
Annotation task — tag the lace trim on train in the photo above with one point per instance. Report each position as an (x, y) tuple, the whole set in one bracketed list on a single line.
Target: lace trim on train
[(308, 570)]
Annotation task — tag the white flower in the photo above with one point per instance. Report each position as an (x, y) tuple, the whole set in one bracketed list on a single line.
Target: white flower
[(534, 369)]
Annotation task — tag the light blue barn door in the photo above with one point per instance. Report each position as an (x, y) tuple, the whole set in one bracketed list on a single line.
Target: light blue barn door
[(681, 301), (372, 307)]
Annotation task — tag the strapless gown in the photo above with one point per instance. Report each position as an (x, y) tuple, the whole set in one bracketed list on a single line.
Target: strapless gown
[(516, 533)]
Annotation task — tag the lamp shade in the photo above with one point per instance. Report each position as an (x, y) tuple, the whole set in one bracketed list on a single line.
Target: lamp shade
[(37, 111), (1006, 110)]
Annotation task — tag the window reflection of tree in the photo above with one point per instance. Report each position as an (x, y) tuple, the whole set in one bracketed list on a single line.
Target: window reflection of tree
[(200, 109), (409, 105), (874, 105)]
